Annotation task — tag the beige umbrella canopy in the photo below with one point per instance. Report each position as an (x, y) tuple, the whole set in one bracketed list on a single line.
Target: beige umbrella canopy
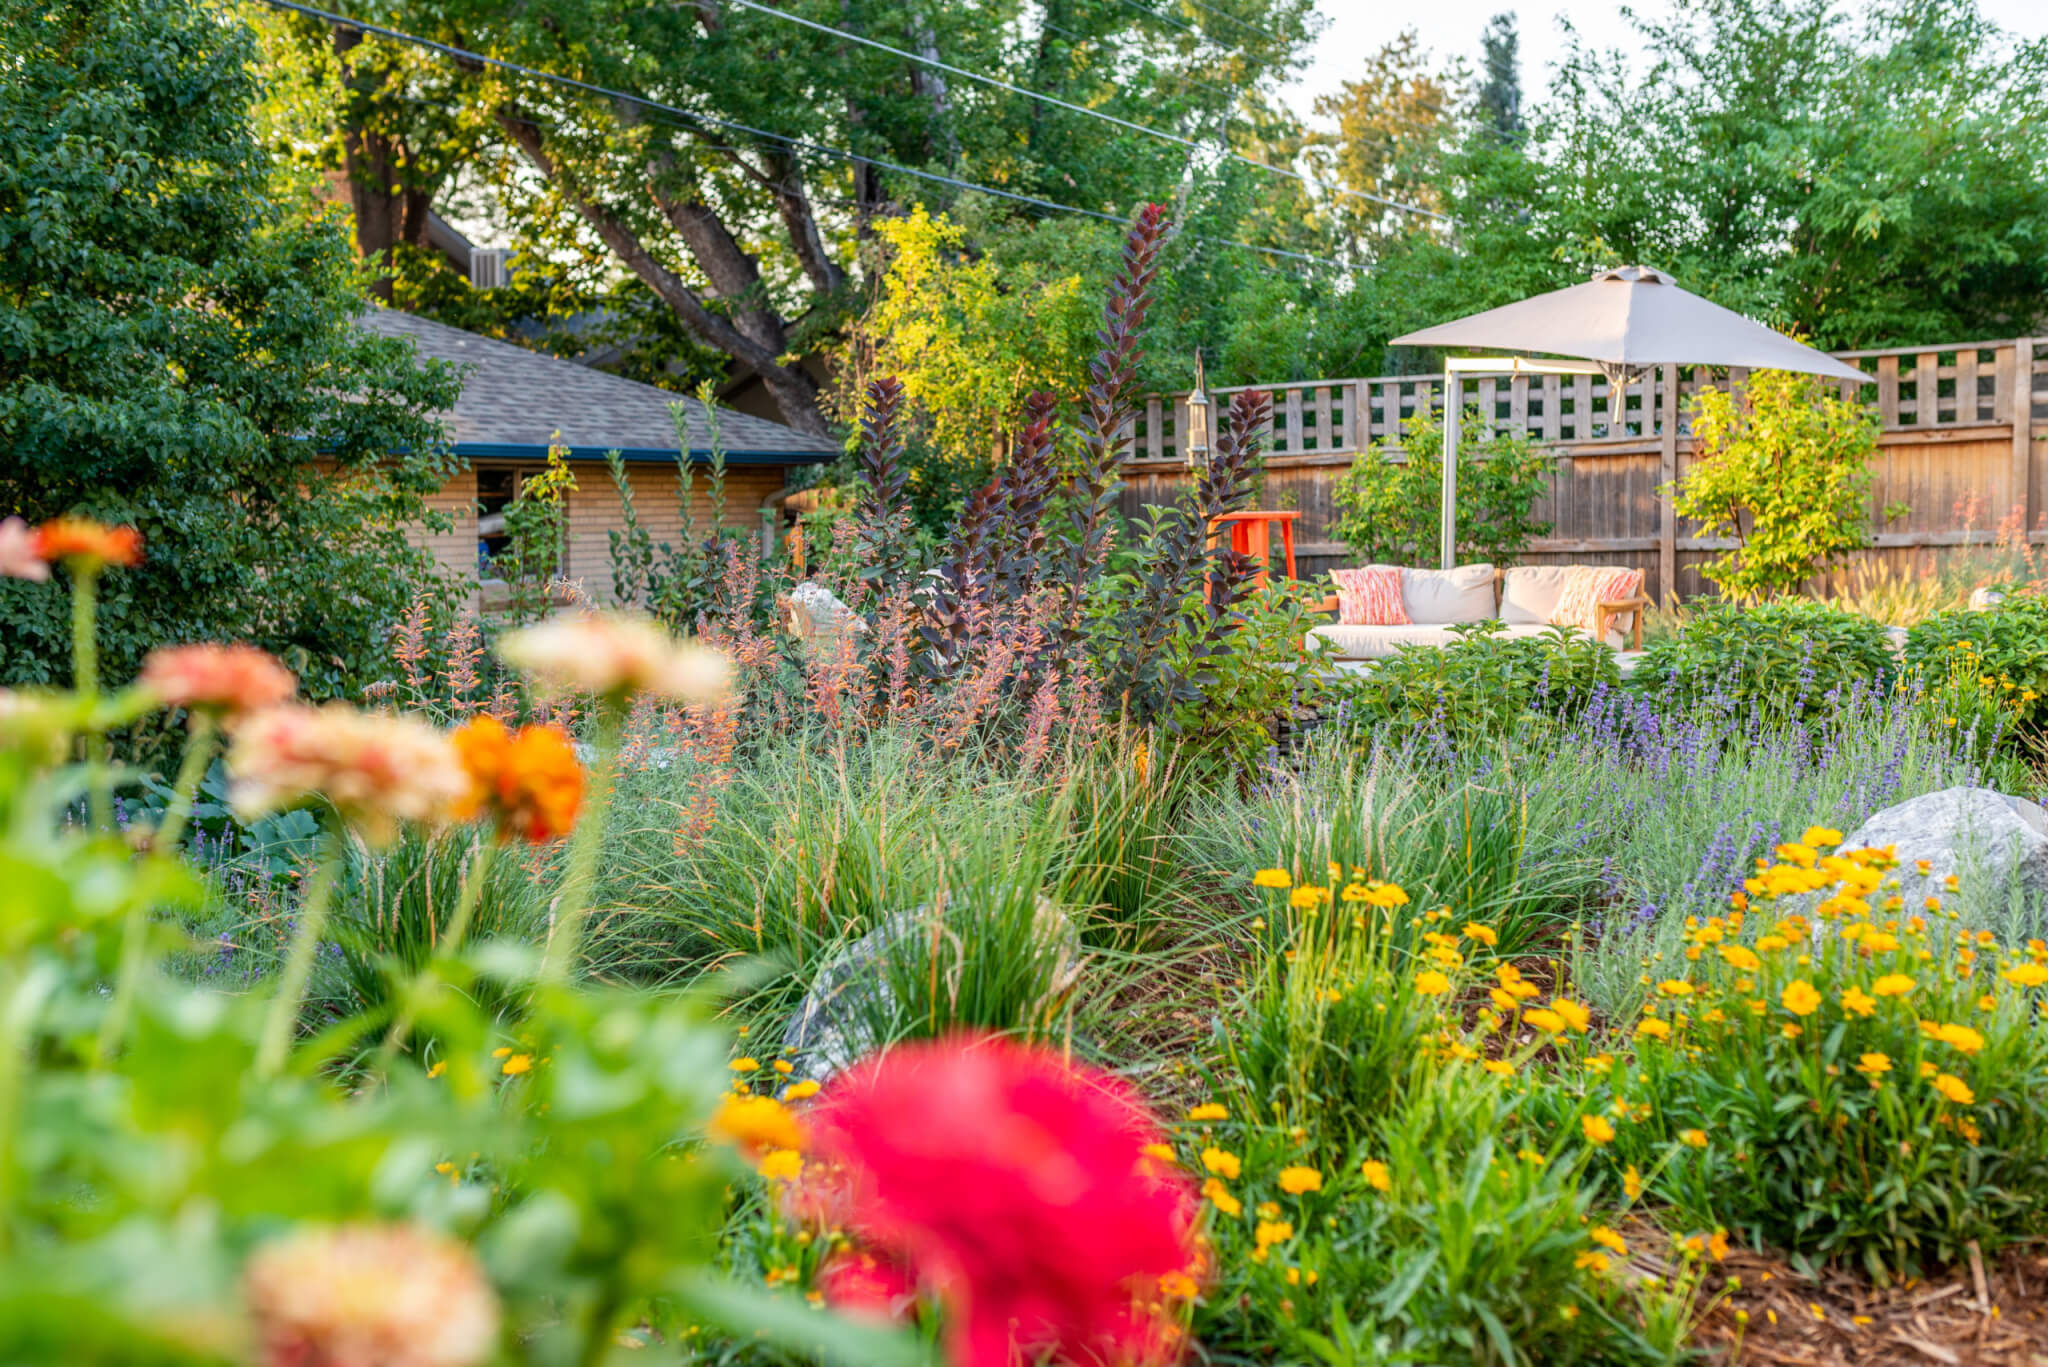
[(1632, 316), (1623, 320)]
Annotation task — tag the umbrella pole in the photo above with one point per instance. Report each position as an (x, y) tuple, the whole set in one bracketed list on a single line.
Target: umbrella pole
[(1453, 412)]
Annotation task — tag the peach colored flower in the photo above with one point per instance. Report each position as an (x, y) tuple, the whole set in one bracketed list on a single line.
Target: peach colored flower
[(377, 770), (68, 538), (18, 557), (370, 1296), (231, 679), (616, 656)]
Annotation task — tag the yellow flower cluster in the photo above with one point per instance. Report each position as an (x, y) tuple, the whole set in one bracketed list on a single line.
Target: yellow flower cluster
[(1843, 954)]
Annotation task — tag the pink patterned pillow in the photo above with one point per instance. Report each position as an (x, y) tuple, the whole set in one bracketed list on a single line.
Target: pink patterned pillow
[(1370, 597), (1586, 588)]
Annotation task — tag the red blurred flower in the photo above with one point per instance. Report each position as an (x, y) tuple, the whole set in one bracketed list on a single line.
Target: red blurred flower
[(1015, 1187), (220, 678), (863, 1284), (67, 538)]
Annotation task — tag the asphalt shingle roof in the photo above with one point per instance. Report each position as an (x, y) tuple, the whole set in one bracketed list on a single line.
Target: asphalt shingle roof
[(512, 397)]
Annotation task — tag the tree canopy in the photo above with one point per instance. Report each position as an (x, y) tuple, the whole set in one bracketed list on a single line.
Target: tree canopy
[(728, 198), (177, 351)]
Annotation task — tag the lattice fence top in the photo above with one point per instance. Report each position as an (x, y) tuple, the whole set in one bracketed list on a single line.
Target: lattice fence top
[(1956, 385)]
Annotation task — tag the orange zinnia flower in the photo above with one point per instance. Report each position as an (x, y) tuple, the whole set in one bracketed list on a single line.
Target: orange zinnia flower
[(530, 782), (65, 538)]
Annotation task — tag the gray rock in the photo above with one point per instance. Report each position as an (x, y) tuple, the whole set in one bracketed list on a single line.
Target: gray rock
[(848, 1011), (1985, 598), (1995, 844), (816, 618)]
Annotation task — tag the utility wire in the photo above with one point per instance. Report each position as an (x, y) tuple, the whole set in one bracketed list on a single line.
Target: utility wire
[(798, 144), (1160, 133)]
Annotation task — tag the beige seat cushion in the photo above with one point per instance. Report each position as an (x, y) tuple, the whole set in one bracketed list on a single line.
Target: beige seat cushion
[(1464, 594), (1376, 643), (1530, 593)]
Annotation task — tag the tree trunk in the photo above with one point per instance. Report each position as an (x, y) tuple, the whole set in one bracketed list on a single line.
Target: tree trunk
[(386, 211)]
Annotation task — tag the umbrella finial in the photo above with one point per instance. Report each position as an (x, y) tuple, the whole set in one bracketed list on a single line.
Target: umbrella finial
[(1633, 275)]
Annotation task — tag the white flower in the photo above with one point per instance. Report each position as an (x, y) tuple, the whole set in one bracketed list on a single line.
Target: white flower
[(616, 656)]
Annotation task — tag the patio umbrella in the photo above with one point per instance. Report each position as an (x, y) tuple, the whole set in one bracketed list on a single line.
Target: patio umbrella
[(1622, 321)]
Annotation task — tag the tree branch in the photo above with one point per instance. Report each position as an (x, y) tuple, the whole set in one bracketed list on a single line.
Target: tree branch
[(794, 392)]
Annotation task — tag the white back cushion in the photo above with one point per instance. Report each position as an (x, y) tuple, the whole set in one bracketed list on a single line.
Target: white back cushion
[(1464, 594)]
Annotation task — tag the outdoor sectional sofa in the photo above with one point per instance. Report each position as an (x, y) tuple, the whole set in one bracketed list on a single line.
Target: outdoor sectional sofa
[(1523, 598)]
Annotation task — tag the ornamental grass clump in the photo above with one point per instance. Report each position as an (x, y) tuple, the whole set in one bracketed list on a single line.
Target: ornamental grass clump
[(1841, 1075)]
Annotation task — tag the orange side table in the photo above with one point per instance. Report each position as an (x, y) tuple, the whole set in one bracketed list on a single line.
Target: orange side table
[(1251, 533)]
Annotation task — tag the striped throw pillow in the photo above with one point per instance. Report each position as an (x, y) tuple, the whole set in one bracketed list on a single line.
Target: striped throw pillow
[(1370, 597), (1586, 587)]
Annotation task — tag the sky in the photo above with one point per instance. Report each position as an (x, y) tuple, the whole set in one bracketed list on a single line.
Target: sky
[(1451, 28)]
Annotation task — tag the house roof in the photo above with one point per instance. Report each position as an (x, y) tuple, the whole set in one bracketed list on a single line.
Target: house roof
[(513, 402)]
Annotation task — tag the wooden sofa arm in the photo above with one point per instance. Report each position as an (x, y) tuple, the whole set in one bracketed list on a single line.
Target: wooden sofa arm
[(1610, 608), (1328, 604)]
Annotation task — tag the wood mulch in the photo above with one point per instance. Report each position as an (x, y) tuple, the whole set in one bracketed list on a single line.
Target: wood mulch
[(1978, 1316)]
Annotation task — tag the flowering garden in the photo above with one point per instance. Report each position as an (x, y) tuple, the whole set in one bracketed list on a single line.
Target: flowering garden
[(1030, 956)]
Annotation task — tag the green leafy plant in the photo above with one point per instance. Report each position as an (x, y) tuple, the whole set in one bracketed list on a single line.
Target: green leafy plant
[(1785, 472), (1484, 683), (536, 527), (1785, 659), (186, 359), (1390, 503)]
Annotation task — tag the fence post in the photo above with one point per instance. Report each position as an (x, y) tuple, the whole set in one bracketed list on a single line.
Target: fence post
[(2022, 412), (1667, 471)]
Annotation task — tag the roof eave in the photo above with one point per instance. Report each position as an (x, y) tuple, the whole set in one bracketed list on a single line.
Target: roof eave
[(512, 450)]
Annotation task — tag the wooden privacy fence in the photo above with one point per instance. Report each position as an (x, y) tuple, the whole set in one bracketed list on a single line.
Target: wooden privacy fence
[(1962, 445)]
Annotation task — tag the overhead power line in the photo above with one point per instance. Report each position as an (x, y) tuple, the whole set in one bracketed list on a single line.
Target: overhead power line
[(798, 144), (998, 83)]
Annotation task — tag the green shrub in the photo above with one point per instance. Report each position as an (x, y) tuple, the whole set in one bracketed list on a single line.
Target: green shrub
[(1784, 658), (1785, 472), (1486, 683), (183, 357), (2007, 645), (1390, 510)]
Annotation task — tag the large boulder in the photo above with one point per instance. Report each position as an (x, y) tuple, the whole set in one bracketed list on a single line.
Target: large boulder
[(813, 614), (1996, 845), (850, 1008)]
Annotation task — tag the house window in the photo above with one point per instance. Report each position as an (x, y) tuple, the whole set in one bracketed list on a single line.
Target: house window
[(496, 486)]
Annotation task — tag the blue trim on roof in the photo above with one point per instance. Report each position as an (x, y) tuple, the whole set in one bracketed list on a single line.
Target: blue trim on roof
[(509, 450)]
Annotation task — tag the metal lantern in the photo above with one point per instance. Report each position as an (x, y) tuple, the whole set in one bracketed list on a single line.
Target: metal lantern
[(1198, 422)]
